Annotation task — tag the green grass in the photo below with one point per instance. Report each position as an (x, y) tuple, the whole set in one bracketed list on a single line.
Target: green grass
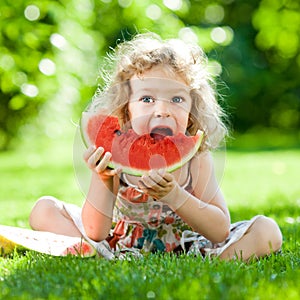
[(265, 182)]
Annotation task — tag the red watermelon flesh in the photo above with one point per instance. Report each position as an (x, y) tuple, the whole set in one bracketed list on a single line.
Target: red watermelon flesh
[(102, 130), (137, 154)]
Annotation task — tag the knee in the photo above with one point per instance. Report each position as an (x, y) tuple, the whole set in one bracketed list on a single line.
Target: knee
[(41, 211), (268, 234)]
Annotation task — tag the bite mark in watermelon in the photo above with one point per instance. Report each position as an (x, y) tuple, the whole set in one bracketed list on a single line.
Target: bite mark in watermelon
[(137, 154)]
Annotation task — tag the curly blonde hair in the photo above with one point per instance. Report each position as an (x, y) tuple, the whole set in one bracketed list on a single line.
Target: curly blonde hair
[(142, 53)]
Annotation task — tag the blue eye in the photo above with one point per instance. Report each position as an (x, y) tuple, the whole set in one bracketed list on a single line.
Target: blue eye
[(147, 99), (177, 99)]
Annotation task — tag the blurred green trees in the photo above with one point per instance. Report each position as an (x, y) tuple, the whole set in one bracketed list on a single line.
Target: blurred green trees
[(51, 51)]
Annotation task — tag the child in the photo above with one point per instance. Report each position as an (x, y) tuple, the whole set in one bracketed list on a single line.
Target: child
[(159, 87)]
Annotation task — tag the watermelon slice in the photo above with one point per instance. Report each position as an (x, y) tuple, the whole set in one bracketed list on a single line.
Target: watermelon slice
[(22, 239), (137, 154)]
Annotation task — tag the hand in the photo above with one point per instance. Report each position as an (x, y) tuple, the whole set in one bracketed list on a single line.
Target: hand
[(98, 162), (159, 185)]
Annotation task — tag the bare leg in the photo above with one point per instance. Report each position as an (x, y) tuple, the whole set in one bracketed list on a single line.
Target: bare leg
[(262, 238), (48, 214)]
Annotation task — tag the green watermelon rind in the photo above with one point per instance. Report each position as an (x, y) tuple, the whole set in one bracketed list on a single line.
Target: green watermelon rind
[(85, 116), (22, 239), (133, 171)]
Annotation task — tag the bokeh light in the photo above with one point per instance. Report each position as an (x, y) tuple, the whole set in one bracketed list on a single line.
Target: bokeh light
[(32, 12), (47, 67)]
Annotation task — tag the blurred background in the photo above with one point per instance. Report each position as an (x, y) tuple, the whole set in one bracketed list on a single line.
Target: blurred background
[(51, 52)]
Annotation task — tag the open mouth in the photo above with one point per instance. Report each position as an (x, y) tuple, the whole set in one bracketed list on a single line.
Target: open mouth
[(160, 132)]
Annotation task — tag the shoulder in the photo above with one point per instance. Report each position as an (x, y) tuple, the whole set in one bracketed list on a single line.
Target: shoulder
[(201, 161)]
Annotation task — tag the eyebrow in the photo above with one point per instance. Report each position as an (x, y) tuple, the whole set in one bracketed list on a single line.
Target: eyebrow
[(175, 90)]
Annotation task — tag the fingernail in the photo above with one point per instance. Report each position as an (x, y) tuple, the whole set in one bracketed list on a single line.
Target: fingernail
[(161, 171)]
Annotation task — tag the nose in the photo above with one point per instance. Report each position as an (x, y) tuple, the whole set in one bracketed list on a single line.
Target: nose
[(162, 109)]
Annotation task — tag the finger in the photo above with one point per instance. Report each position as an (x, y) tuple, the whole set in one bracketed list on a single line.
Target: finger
[(143, 187), (95, 157), (154, 192), (166, 175), (111, 172), (148, 181), (118, 171), (156, 177), (103, 162), (91, 149)]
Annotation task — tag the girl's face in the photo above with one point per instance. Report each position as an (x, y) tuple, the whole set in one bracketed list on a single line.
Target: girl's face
[(160, 103)]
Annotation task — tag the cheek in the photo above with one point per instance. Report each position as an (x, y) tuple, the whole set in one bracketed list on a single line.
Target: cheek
[(135, 109), (137, 119), (183, 120), (139, 125), (182, 113)]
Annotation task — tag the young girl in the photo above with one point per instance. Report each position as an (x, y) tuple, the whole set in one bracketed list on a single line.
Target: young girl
[(159, 87)]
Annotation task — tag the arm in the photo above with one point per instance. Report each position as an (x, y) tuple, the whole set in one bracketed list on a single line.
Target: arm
[(97, 210), (205, 211)]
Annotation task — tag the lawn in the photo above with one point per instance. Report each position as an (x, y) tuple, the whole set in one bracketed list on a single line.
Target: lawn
[(260, 182)]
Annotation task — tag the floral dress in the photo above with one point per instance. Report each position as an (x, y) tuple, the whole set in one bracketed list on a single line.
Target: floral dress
[(140, 222), (142, 225)]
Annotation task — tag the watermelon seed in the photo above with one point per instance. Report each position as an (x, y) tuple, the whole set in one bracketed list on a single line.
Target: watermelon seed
[(118, 132)]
